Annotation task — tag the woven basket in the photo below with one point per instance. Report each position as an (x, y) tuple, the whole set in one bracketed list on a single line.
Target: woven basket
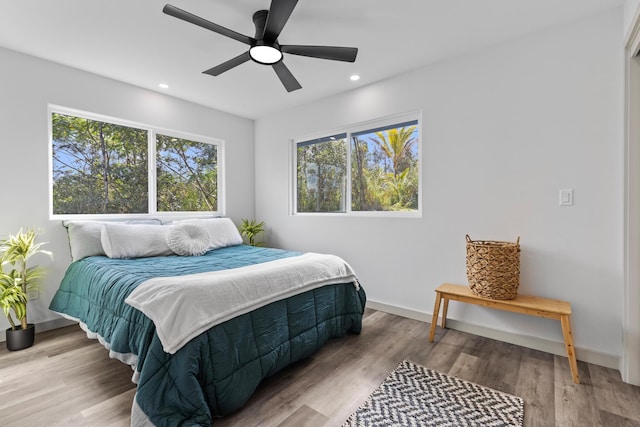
[(493, 268)]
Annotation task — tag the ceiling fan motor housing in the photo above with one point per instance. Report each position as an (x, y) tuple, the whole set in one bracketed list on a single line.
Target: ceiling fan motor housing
[(260, 20), (264, 52)]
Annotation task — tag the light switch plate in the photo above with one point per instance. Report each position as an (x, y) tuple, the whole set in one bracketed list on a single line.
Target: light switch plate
[(566, 197)]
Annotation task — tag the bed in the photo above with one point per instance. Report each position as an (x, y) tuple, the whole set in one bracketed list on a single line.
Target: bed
[(215, 370)]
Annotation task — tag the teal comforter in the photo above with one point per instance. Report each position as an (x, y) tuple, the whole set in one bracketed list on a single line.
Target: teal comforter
[(218, 371)]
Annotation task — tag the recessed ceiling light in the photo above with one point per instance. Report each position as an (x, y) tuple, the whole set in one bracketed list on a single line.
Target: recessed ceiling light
[(355, 77), (164, 85)]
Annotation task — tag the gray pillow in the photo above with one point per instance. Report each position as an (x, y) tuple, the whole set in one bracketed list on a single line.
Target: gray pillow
[(85, 235)]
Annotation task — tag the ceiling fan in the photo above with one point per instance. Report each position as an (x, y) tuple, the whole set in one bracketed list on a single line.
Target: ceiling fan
[(264, 47)]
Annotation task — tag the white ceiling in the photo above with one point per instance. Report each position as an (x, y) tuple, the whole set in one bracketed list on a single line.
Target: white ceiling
[(134, 42)]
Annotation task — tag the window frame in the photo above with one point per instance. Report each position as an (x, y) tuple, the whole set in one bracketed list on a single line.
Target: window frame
[(152, 203), (349, 130)]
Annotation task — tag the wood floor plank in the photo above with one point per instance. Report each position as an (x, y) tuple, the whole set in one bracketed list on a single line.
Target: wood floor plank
[(575, 404), (304, 416), (357, 382), (535, 385), (69, 380), (614, 395), (465, 367), (500, 366), (442, 354), (115, 411), (43, 345), (61, 375), (613, 420)]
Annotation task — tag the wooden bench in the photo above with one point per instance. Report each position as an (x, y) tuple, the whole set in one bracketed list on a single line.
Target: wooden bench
[(526, 304)]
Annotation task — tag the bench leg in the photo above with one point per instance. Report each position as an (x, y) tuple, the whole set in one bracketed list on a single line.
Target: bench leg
[(565, 320), (445, 307), (434, 319)]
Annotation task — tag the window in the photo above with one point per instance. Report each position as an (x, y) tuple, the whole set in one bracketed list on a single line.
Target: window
[(370, 168), (104, 166), (187, 175), (322, 173)]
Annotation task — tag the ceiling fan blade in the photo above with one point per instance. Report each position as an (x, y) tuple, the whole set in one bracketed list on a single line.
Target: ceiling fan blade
[(226, 66), (279, 14), (290, 83), (335, 53), (201, 22)]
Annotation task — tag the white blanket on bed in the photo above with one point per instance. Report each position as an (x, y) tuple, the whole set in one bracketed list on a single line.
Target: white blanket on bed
[(183, 307)]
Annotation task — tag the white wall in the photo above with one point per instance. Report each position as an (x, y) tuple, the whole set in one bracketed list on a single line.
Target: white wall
[(29, 85), (630, 363), (503, 130), (630, 10)]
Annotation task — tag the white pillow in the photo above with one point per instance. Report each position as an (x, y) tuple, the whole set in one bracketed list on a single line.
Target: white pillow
[(188, 239), (85, 235), (222, 231), (84, 239), (134, 240)]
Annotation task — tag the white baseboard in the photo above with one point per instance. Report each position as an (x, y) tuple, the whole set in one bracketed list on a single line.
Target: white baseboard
[(44, 326), (548, 346)]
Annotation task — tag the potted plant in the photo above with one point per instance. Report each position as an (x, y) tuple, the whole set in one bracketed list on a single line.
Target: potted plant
[(16, 281), (251, 228)]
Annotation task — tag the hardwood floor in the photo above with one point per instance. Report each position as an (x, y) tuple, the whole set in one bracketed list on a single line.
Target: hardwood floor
[(66, 379)]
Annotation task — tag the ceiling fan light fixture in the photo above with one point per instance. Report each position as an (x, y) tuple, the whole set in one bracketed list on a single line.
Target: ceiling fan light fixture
[(267, 55)]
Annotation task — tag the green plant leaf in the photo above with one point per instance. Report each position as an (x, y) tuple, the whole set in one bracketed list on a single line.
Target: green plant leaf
[(16, 279), (250, 228)]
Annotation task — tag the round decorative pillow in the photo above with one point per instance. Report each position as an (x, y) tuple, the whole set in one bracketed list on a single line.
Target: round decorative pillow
[(188, 239)]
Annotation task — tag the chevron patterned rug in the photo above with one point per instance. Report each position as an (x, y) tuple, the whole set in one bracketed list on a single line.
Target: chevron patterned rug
[(413, 395)]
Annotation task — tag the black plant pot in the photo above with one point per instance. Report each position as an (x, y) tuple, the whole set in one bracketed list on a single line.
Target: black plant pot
[(19, 339)]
